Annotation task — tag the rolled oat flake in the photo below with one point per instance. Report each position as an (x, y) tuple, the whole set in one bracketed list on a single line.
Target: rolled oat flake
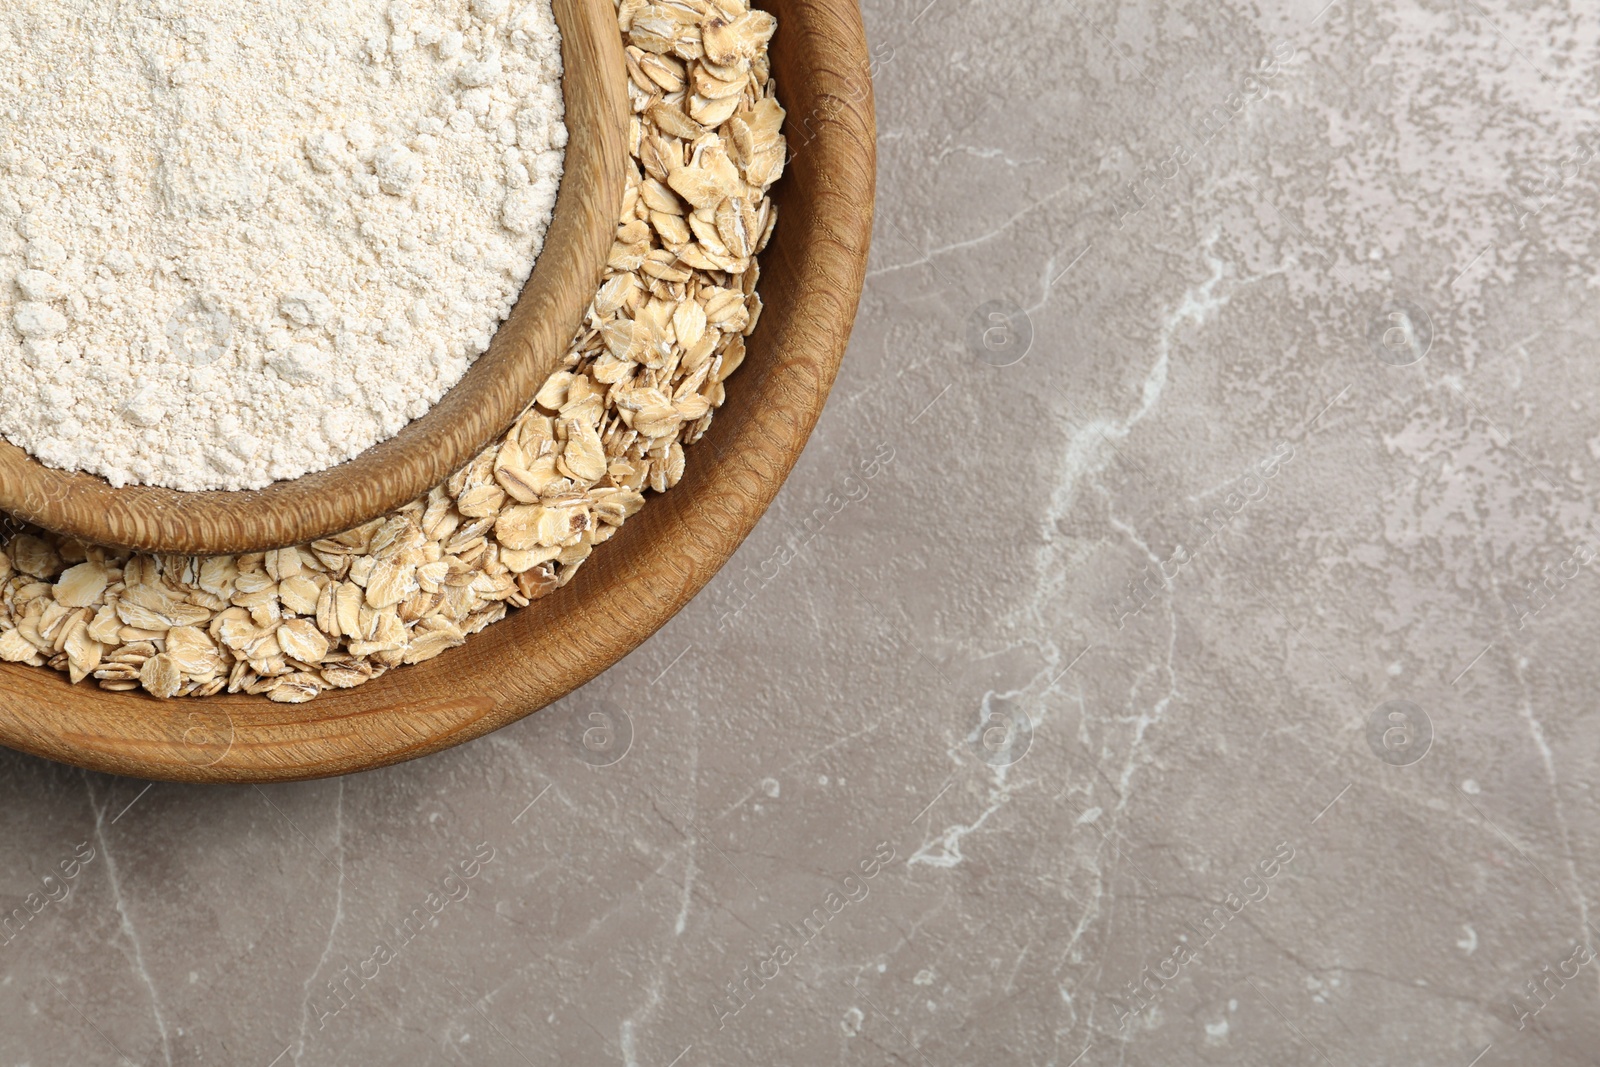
[(244, 240)]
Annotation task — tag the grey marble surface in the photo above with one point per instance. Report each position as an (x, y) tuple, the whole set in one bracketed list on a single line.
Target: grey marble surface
[(1186, 654)]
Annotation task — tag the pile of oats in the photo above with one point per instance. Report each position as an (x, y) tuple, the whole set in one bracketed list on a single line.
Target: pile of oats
[(641, 381)]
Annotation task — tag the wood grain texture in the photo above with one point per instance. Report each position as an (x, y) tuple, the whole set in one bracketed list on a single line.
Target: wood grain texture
[(477, 410), (811, 282)]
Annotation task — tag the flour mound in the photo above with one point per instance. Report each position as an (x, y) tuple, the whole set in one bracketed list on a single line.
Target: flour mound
[(244, 240)]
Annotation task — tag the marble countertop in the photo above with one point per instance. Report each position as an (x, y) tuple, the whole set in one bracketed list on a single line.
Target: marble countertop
[(1174, 647)]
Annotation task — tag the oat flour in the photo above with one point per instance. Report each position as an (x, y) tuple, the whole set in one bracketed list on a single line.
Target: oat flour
[(241, 240)]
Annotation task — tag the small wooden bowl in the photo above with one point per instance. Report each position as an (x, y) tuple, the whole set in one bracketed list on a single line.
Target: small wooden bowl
[(478, 409), (811, 281)]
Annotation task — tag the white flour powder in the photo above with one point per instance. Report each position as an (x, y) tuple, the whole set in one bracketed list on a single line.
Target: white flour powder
[(241, 240)]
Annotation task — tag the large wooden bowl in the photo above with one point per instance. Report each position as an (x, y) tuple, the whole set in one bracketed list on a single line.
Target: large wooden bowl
[(488, 398), (811, 280)]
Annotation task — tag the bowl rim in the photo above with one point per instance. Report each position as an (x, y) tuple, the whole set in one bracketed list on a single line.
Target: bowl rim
[(812, 277), (526, 348)]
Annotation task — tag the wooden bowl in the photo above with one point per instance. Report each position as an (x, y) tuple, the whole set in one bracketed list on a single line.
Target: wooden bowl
[(478, 409), (811, 281)]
